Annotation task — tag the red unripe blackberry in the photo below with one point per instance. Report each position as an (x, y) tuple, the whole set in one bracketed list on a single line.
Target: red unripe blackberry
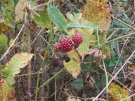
[(57, 47), (66, 45), (77, 38)]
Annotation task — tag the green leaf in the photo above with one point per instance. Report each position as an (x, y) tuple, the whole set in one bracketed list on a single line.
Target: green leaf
[(13, 67), (74, 25), (9, 18), (119, 24), (11, 4), (57, 18), (75, 17), (103, 80), (113, 48), (3, 41), (78, 83), (86, 67), (2, 66), (84, 46), (73, 66), (114, 60), (42, 20)]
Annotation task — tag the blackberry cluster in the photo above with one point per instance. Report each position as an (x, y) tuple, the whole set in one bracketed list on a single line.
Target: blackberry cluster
[(66, 44)]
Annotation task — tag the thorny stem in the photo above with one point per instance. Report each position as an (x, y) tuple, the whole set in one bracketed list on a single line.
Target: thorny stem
[(29, 49), (98, 42), (106, 76), (51, 78), (47, 48), (97, 37)]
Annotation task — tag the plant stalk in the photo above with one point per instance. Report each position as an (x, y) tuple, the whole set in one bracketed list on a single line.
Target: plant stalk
[(47, 49)]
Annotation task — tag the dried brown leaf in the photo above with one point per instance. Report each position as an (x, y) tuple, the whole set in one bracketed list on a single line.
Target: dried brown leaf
[(131, 70), (89, 80), (92, 51), (96, 55), (66, 91), (39, 2)]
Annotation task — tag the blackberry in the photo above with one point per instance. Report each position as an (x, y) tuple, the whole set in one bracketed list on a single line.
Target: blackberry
[(66, 58), (55, 62)]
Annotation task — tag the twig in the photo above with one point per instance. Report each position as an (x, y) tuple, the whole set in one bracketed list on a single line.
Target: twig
[(122, 22), (113, 77), (12, 43)]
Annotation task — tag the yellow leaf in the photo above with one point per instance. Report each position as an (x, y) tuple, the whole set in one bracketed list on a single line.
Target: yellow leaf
[(118, 93), (73, 66), (4, 27), (7, 92), (97, 12)]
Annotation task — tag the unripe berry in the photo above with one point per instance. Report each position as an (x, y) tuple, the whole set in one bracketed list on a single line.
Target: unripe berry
[(66, 45), (77, 38), (57, 47)]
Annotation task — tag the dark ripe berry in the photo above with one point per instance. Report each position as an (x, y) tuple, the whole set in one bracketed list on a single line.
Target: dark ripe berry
[(76, 45), (77, 38), (66, 58), (55, 62), (66, 45), (57, 47)]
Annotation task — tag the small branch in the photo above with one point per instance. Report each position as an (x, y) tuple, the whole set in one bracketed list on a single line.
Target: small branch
[(12, 43), (51, 79), (113, 77), (123, 22), (51, 39)]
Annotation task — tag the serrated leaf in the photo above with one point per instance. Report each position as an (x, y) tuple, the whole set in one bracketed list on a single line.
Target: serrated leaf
[(7, 92), (86, 67), (3, 41), (13, 67), (73, 66), (117, 93), (57, 18), (42, 20), (84, 46), (98, 13)]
